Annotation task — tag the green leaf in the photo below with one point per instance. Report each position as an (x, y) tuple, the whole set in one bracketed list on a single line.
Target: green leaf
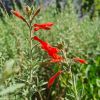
[(43, 83), (42, 89)]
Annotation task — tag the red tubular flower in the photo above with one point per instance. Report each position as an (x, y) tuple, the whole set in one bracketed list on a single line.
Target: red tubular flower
[(82, 61), (45, 26), (52, 51), (52, 79), (48, 24), (38, 28), (46, 46), (17, 14)]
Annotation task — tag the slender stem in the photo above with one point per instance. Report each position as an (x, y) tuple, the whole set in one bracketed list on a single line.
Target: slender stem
[(40, 95), (75, 90), (30, 41), (49, 94), (30, 51)]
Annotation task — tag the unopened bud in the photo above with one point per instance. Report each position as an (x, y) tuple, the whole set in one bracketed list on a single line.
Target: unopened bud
[(28, 10)]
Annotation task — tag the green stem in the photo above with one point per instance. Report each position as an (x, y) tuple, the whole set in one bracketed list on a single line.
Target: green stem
[(74, 87), (30, 40), (40, 95)]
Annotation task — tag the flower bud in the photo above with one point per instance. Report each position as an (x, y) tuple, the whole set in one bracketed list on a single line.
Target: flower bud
[(28, 10)]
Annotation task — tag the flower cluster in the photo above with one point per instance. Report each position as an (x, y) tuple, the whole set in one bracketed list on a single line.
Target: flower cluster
[(51, 51)]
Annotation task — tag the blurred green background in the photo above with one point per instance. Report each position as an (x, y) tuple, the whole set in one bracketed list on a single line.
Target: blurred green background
[(76, 36)]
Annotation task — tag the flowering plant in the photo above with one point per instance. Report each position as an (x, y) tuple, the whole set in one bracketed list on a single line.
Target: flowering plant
[(52, 51)]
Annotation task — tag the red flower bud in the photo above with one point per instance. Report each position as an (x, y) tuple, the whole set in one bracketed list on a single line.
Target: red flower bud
[(52, 79), (17, 14)]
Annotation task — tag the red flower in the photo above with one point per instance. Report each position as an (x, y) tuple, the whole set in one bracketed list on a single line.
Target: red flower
[(52, 51), (46, 46), (52, 79), (82, 61), (48, 24), (45, 26), (38, 28), (17, 14)]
